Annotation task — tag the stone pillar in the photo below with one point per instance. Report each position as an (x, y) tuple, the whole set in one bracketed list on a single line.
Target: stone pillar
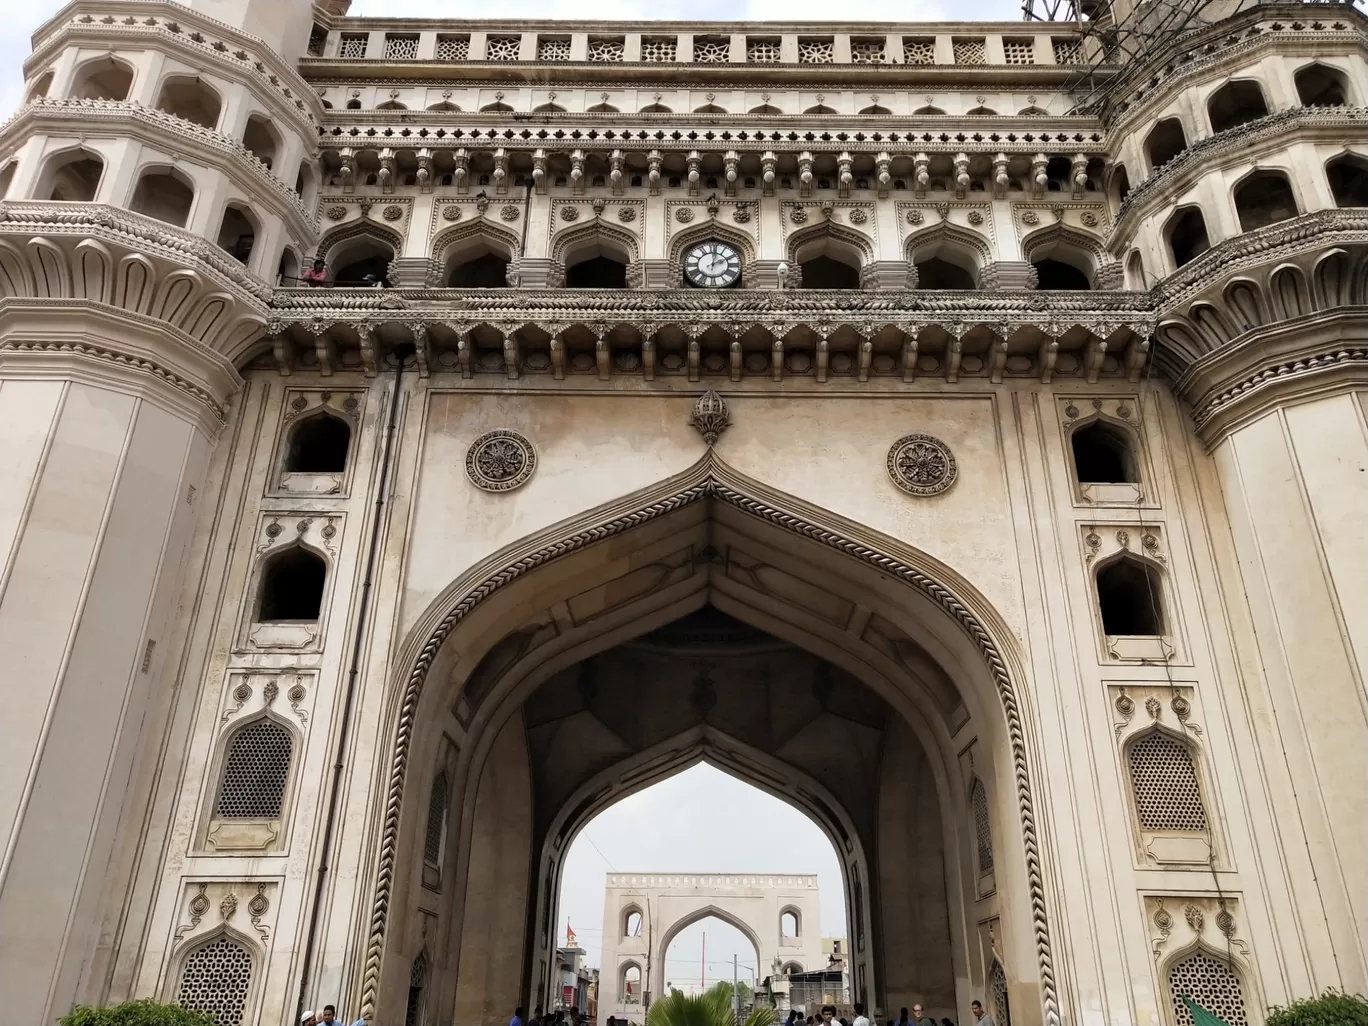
[(106, 427)]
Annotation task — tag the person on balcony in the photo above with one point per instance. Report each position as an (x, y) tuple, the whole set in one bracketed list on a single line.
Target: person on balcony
[(317, 275)]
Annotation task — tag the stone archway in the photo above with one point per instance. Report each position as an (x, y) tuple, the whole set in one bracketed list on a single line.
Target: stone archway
[(885, 620)]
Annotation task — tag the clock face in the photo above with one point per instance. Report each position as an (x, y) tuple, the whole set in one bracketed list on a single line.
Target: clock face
[(713, 265)]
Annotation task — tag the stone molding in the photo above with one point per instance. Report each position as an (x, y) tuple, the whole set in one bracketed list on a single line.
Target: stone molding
[(126, 117), (709, 480)]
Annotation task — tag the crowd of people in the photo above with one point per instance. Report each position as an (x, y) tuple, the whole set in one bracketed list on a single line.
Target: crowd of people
[(828, 1017)]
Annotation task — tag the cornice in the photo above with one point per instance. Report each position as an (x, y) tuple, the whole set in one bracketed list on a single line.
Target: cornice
[(120, 118), (568, 26)]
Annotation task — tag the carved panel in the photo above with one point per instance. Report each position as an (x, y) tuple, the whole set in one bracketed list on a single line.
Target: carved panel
[(1103, 544), (276, 531), (302, 404), (1121, 414)]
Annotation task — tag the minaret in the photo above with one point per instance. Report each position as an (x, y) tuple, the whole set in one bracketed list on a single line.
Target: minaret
[(156, 180)]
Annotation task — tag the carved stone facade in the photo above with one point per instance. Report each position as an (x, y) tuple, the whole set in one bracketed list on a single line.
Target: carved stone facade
[(999, 507)]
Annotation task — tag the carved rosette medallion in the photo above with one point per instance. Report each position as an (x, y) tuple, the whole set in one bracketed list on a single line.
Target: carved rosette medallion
[(922, 465), (499, 461)]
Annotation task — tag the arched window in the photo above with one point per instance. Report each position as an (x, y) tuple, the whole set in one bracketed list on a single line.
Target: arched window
[(1211, 982), (983, 831), (997, 993), (939, 273), (1057, 275), (1187, 236), (549, 108), (1234, 104), (1135, 271), (1130, 598), (102, 79), (630, 984), (318, 445), (164, 193), (876, 109), (361, 261), (292, 586), (603, 108), (261, 138), (792, 967), (765, 108), (444, 107), (631, 922), (981, 112), (287, 271), (435, 838), (237, 234), (413, 1011), (597, 272), (1264, 198), (1165, 141), (256, 771), (1320, 86), (486, 271), (7, 176), (821, 108), (656, 108), (1120, 184), (1164, 783), (496, 108), (1103, 454), (824, 272), (710, 108), (928, 112), (1348, 177), (353, 104), (191, 99), (73, 177), (789, 924), (216, 979), (40, 88), (391, 105)]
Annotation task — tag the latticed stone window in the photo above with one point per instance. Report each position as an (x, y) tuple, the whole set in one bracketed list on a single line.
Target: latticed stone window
[(606, 51), (817, 51), (255, 772), (453, 48), (919, 51), (867, 51), (1019, 51), (997, 988), (503, 48), (983, 832), (712, 49), (216, 980), (1068, 51), (1212, 983), (413, 1013), (762, 51), (436, 822), (553, 48), (658, 49), (400, 48), (1164, 781), (969, 51), (353, 44)]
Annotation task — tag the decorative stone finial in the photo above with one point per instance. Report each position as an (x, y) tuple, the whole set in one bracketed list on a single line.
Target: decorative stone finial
[(710, 416)]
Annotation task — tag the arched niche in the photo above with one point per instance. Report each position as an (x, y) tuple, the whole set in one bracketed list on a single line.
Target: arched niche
[(1263, 197), (476, 254), (831, 256), (1319, 85), (1165, 141), (1130, 597), (239, 229), (166, 193), (1348, 178), (262, 139), (1236, 103), (947, 257), (1064, 258), (104, 78), (192, 99), (71, 176), (1186, 235), (360, 254)]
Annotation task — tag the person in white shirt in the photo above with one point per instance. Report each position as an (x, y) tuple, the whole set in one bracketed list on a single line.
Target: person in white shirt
[(982, 1018), (860, 1018)]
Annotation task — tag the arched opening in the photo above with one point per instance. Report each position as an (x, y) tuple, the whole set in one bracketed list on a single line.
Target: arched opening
[(710, 108), (928, 112), (72, 177), (102, 79), (1264, 198), (40, 87), (1234, 104), (1164, 142), (261, 138), (288, 270), (704, 954), (1321, 86), (656, 108), (1120, 184), (496, 108), (1165, 786), (824, 272), (363, 260), (549, 108), (1212, 981), (1129, 598), (765, 108), (1103, 454), (596, 272), (256, 772), (191, 99), (237, 233), (981, 112), (318, 445), (879, 111), (820, 108), (1135, 271), (1187, 235), (631, 922), (603, 108), (444, 107), (7, 176), (164, 193), (1348, 177), (391, 105), (938, 273), (630, 987), (1053, 274), (216, 979), (789, 924), (486, 271), (291, 588)]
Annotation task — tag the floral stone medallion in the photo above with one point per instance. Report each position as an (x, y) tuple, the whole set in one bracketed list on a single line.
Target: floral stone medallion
[(922, 465), (499, 461)]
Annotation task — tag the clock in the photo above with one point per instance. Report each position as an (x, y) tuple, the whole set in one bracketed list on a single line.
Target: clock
[(713, 265)]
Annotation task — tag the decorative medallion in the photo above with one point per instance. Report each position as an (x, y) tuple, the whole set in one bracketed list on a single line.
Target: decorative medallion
[(451, 213), (626, 214), (710, 416), (915, 217), (798, 215), (1225, 922), (1194, 918), (336, 213), (569, 213), (684, 215), (858, 217), (742, 213), (499, 461), (199, 905), (922, 465), (975, 218), (509, 212), (1030, 217), (228, 906), (393, 213), (1090, 219)]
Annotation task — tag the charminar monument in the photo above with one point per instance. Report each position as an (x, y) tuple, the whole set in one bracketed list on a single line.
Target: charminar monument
[(957, 430)]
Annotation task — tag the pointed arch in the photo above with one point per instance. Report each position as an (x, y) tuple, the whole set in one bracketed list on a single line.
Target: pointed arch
[(696, 233), (103, 78), (1165, 782), (444, 107), (603, 108), (498, 107), (826, 238), (961, 248), (217, 973), (710, 108), (359, 241), (549, 108), (928, 112), (1078, 249), (765, 108), (255, 768), (594, 238), (820, 108), (875, 110), (1217, 980), (472, 240), (655, 108)]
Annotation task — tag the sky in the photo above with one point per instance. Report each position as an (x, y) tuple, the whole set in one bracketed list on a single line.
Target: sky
[(22, 17), (698, 821)]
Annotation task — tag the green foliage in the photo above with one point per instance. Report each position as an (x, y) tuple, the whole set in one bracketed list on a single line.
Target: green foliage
[(713, 1008), (1332, 1008), (136, 1013)]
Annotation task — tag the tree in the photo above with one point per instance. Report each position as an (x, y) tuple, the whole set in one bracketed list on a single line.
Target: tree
[(136, 1013), (713, 1008), (1332, 1008), (724, 987)]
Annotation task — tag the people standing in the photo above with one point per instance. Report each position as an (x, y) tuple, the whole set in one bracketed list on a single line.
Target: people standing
[(329, 1016), (317, 275), (517, 1019), (982, 1017), (919, 1017), (860, 1018)]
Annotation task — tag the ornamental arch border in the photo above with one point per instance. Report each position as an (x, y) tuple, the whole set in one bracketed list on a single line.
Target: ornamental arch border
[(709, 479), (696, 233)]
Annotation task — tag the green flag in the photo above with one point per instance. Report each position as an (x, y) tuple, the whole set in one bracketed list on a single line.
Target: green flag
[(1200, 1016)]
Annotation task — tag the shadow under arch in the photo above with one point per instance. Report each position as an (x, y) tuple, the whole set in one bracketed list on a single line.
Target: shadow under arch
[(981, 647)]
